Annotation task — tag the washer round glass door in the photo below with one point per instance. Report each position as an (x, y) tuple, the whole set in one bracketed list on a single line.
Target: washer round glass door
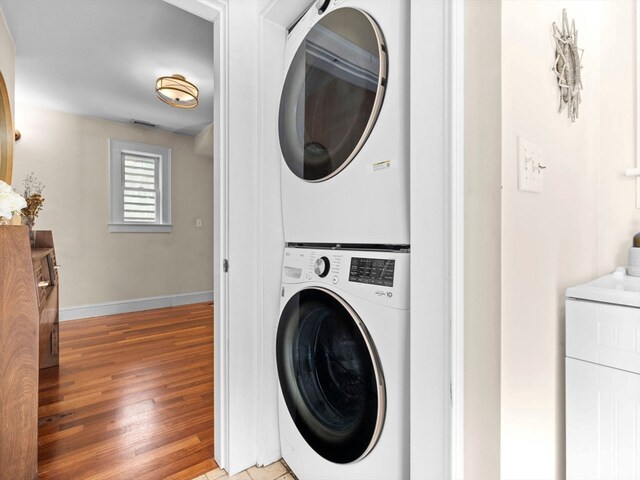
[(330, 375), (332, 94)]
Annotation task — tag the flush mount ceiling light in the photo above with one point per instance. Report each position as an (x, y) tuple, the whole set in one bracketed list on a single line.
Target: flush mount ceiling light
[(177, 92)]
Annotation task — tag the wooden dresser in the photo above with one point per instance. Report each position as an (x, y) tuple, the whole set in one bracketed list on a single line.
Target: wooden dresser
[(28, 341), (45, 270), (19, 326)]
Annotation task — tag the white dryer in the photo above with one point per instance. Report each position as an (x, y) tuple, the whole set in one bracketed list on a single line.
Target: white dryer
[(344, 126), (342, 358)]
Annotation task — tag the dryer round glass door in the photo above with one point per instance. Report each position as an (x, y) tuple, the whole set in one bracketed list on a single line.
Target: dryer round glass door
[(332, 94), (330, 375)]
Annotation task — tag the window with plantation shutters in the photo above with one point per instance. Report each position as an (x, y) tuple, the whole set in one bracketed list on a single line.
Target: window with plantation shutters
[(140, 187)]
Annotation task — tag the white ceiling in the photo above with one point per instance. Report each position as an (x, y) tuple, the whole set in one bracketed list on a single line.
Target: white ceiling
[(101, 58)]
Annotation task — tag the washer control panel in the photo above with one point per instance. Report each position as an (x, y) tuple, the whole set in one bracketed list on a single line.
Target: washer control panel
[(321, 266), (374, 271), (378, 276)]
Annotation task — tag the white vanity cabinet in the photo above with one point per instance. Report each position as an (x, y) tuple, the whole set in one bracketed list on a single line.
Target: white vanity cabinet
[(603, 379)]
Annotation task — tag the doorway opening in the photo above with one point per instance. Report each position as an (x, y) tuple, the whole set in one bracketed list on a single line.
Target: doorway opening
[(65, 142)]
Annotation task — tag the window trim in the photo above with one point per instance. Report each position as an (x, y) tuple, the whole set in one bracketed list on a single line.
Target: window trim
[(117, 224)]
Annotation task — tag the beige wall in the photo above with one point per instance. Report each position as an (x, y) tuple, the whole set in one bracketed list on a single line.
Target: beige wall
[(69, 154), (482, 242), (577, 228)]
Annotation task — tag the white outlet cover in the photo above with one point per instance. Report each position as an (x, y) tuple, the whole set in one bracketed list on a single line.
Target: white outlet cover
[(530, 166)]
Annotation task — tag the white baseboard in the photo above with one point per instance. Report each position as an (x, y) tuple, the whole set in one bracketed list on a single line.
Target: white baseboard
[(133, 305)]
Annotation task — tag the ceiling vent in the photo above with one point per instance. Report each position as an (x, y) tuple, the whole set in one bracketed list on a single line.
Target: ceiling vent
[(144, 124)]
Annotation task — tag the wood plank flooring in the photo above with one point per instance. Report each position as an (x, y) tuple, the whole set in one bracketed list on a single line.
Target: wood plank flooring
[(132, 398)]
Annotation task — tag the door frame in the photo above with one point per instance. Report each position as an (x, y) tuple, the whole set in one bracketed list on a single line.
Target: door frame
[(456, 126), (437, 239), (216, 11)]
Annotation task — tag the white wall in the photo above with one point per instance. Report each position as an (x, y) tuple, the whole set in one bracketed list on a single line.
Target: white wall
[(482, 244), (69, 154), (617, 122), (577, 228)]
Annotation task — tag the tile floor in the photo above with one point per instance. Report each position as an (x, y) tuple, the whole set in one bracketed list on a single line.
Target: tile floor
[(276, 471)]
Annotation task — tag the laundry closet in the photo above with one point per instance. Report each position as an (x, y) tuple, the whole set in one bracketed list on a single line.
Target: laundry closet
[(344, 187)]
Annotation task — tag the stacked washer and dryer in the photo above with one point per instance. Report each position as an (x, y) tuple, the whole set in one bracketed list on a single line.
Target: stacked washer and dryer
[(342, 342)]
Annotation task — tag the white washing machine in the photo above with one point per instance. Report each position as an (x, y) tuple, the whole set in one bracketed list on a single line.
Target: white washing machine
[(344, 126), (342, 353)]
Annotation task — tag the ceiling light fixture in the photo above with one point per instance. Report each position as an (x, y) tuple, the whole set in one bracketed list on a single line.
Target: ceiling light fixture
[(177, 91)]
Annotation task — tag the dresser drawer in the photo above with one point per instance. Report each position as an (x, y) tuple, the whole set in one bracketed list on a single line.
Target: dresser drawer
[(41, 277), (45, 271), (604, 334), (52, 264)]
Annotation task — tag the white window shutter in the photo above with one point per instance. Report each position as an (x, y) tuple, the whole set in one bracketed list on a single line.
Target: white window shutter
[(140, 185)]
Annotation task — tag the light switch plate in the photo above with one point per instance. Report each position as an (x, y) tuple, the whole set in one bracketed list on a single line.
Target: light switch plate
[(530, 166), (198, 222)]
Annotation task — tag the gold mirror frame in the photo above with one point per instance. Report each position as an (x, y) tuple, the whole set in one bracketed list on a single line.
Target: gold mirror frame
[(6, 134)]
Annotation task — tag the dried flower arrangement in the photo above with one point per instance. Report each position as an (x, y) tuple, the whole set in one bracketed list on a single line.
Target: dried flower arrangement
[(33, 195)]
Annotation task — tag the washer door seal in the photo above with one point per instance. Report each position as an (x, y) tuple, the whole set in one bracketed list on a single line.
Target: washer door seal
[(330, 375)]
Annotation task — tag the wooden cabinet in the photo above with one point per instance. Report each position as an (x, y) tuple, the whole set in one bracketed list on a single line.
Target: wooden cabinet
[(45, 272), (19, 329), (28, 341)]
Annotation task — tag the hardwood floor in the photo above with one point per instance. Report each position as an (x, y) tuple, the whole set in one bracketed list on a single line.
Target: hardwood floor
[(133, 398)]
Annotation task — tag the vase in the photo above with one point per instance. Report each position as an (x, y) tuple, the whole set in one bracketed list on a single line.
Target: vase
[(32, 230), (32, 236)]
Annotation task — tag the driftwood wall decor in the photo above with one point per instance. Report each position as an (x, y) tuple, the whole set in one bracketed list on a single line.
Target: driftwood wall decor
[(567, 66)]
